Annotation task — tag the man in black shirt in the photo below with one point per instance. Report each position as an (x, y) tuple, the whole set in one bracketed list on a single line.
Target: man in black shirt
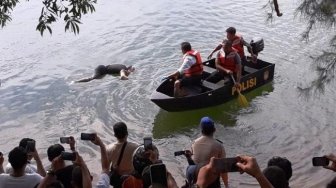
[(115, 69)]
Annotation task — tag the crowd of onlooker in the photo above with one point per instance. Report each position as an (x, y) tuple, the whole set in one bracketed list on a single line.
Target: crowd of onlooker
[(125, 164)]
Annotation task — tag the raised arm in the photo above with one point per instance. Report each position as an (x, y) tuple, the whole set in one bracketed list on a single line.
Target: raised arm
[(250, 166), (40, 168), (215, 50)]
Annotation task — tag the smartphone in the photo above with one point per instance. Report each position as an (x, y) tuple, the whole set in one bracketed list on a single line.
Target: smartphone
[(88, 136), (158, 175), (320, 161), (30, 147), (178, 153), (65, 140), (226, 165), (68, 156), (148, 143)]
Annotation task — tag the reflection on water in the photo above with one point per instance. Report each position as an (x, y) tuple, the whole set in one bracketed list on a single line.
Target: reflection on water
[(169, 123)]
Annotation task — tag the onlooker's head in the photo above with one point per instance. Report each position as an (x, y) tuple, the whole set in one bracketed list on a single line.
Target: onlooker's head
[(185, 46), (120, 130), (23, 143), (55, 184), (77, 179), (208, 126), (54, 151), (276, 176), (282, 163), (18, 158), (332, 184), (230, 33), (143, 158)]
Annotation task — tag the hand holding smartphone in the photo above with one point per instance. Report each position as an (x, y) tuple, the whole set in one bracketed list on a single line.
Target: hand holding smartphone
[(224, 165), (30, 147), (68, 156), (320, 161), (148, 143), (65, 140)]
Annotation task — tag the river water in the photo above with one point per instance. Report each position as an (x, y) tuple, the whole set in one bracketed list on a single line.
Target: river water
[(38, 99)]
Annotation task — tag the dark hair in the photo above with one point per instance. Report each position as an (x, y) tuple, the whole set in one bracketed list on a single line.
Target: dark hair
[(276, 176), (208, 131), (24, 141), (231, 30), (282, 163), (55, 184), (18, 158), (332, 184), (54, 151), (120, 130), (185, 46), (77, 177)]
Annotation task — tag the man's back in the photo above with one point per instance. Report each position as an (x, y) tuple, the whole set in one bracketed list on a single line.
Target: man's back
[(206, 147), (30, 169), (26, 181), (113, 153)]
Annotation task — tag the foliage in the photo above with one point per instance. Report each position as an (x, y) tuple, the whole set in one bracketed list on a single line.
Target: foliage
[(70, 11), (323, 13)]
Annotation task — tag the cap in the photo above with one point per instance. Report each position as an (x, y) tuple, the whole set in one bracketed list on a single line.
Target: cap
[(207, 123)]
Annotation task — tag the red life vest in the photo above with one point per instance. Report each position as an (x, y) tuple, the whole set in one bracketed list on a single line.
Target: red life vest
[(238, 45), (228, 61), (197, 68)]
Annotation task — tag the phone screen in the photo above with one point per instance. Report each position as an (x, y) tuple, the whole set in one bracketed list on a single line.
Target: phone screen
[(158, 174), (148, 143), (67, 156), (88, 136), (65, 140), (320, 161), (30, 146), (226, 165)]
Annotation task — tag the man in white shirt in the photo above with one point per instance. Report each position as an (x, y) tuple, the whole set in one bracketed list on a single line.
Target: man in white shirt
[(190, 72), (30, 168), (18, 178)]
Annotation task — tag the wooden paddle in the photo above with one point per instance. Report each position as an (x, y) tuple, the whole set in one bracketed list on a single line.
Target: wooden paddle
[(241, 98)]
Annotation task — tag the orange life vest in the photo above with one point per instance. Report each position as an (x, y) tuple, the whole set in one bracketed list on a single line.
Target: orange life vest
[(132, 182), (228, 61), (238, 45), (197, 68)]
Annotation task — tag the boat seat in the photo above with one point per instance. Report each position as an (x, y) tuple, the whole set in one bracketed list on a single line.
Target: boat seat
[(211, 85), (193, 90), (250, 69), (209, 69)]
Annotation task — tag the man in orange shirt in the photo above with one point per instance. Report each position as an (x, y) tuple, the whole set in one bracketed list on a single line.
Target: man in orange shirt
[(237, 42)]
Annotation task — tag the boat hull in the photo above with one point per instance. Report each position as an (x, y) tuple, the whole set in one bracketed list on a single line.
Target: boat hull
[(255, 76)]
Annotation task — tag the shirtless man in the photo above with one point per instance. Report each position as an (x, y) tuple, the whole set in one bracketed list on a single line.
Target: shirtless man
[(114, 69)]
